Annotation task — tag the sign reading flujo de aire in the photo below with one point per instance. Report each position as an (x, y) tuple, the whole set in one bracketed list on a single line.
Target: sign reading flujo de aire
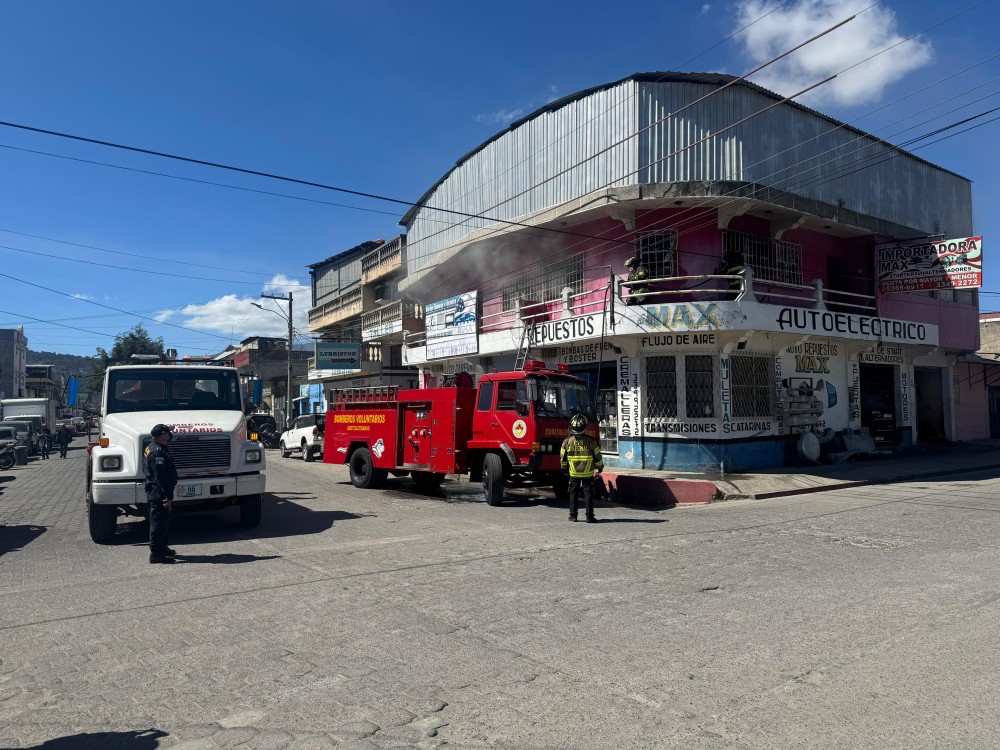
[(452, 325), (948, 264), (338, 356)]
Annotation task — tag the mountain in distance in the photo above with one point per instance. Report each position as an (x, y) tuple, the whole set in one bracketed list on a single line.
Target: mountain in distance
[(67, 364)]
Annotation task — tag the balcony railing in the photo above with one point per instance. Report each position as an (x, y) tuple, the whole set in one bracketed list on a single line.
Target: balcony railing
[(384, 260), (672, 289), (343, 307), (391, 321)]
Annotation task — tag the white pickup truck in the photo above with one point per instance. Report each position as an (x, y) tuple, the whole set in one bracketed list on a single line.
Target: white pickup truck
[(306, 435), (217, 465)]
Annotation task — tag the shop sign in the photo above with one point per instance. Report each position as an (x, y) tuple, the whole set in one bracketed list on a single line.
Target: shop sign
[(383, 329), (813, 358), (582, 353), (678, 339), (452, 326), (948, 264), (628, 397), (686, 316), (883, 355), (338, 357), (565, 329), (800, 320)]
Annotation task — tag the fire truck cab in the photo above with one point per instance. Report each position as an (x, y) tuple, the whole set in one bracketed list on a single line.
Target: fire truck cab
[(507, 428)]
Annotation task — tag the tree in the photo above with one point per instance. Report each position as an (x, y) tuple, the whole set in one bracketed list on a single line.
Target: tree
[(136, 341)]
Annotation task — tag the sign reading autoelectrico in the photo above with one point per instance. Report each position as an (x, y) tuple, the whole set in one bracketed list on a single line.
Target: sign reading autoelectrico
[(567, 329), (860, 326)]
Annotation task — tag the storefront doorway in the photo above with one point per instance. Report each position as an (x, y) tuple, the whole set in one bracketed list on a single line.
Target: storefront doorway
[(878, 403), (604, 379), (930, 403), (994, 411)]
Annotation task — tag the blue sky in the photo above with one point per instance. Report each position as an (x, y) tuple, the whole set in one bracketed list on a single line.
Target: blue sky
[(381, 97)]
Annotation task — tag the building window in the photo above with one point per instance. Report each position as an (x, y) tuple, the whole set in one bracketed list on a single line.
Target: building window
[(657, 253), (545, 283), (485, 396), (771, 260), (509, 393), (661, 393), (699, 386), (752, 385)]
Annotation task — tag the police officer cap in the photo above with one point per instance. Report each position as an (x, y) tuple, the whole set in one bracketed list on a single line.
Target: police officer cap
[(160, 429), (632, 261)]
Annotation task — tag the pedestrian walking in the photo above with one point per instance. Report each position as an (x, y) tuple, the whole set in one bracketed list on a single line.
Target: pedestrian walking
[(580, 455), (62, 437), (161, 479), (43, 442)]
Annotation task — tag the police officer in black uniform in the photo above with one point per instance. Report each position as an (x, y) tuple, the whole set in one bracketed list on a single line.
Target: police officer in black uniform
[(161, 479)]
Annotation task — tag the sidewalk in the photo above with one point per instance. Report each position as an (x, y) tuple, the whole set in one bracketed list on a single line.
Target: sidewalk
[(925, 461)]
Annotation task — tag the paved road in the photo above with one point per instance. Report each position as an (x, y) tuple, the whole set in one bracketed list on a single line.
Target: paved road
[(377, 619)]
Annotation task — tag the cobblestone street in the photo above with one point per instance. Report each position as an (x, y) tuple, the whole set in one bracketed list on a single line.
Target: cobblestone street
[(394, 619)]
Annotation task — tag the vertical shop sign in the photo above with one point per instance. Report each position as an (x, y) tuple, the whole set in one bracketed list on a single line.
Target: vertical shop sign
[(724, 365), (855, 396), (628, 397), (779, 391), (904, 387)]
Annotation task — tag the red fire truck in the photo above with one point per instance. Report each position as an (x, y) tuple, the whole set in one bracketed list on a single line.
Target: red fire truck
[(508, 427)]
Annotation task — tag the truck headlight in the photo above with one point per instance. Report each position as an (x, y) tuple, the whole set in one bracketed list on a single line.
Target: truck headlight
[(252, 456), (111, 463)]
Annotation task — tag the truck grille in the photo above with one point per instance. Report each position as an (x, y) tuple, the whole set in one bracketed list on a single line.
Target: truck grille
[(195, 452)]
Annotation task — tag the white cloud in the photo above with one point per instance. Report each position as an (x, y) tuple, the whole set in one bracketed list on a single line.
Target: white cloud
[(506, 116), (868, 34), (81, 295), (705, 8), (232, 315)]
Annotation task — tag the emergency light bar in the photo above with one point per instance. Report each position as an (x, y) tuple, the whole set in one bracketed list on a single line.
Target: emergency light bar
[(534, 365)]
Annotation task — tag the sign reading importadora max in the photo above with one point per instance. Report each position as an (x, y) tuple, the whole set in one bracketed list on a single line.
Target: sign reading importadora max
[(948, 264)]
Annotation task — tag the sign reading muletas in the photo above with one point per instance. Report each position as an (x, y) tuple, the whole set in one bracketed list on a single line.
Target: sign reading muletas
[(857, 326)]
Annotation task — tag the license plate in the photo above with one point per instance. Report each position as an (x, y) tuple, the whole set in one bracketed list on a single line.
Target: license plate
[(190, 490)]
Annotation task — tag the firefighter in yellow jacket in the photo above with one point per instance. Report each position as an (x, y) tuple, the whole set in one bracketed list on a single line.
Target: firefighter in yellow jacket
[(580, 455)]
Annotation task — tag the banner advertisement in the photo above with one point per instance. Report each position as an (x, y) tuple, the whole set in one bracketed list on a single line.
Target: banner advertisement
[(452, 326), (948, 264), (331, 355)]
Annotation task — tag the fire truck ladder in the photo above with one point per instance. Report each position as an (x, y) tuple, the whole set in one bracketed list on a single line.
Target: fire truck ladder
[(522, 349)]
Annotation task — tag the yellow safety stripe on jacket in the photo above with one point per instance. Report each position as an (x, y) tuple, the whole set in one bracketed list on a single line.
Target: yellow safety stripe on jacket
[(581, 455)]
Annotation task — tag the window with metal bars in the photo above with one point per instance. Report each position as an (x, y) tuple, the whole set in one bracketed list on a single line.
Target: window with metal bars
[(545, 283), (771, 260), (699, 386), (660, 392), (751, 378), (657, 253)]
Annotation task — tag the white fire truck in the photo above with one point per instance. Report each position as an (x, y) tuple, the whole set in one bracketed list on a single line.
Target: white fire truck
[(218, 463)]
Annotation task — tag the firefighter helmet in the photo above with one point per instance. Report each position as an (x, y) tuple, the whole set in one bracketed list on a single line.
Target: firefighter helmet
[(634, 260), (578, 424)]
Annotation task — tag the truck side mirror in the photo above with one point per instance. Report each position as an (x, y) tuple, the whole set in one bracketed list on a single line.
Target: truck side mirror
[(521, 408)]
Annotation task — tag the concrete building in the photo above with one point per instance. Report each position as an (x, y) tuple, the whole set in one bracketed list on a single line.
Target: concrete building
[(44, 382), (265, 359), (778, 253), (13, 363), (359, 320)]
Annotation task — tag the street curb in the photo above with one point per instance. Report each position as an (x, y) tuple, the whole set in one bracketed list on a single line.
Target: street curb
[(858, 483), (657, 490)]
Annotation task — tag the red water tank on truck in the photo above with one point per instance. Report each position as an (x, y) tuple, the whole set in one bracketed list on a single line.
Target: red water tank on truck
[(506, 428)]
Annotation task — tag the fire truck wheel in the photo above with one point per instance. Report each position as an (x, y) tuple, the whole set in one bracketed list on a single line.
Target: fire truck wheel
[(103, 522), (285, 453), (560, 486), (363, 473), (428, 479), (493, 478), (307, 453), (250, 510)]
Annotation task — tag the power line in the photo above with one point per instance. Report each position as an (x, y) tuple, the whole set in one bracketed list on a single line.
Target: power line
[(137, 255)]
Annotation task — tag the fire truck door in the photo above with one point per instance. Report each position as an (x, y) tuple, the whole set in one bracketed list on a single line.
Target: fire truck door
[(510, 423), (417, 434)]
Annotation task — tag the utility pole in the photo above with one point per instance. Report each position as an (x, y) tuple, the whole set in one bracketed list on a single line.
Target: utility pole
[(288, 381)]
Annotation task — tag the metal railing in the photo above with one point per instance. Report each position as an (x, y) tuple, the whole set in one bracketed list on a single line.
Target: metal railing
[(406, 314)]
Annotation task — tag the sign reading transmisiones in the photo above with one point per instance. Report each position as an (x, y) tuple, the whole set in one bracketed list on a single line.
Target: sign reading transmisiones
[(948, 264)]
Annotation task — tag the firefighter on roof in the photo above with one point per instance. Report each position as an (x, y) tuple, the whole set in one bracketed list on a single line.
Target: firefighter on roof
[(636, 273)]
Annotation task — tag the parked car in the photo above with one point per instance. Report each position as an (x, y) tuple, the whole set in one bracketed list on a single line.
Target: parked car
[(25, 433), (80, 424), (305, 435)]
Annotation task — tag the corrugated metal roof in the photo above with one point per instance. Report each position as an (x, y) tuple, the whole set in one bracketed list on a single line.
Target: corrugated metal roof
[(713, 79), (364, 247)]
